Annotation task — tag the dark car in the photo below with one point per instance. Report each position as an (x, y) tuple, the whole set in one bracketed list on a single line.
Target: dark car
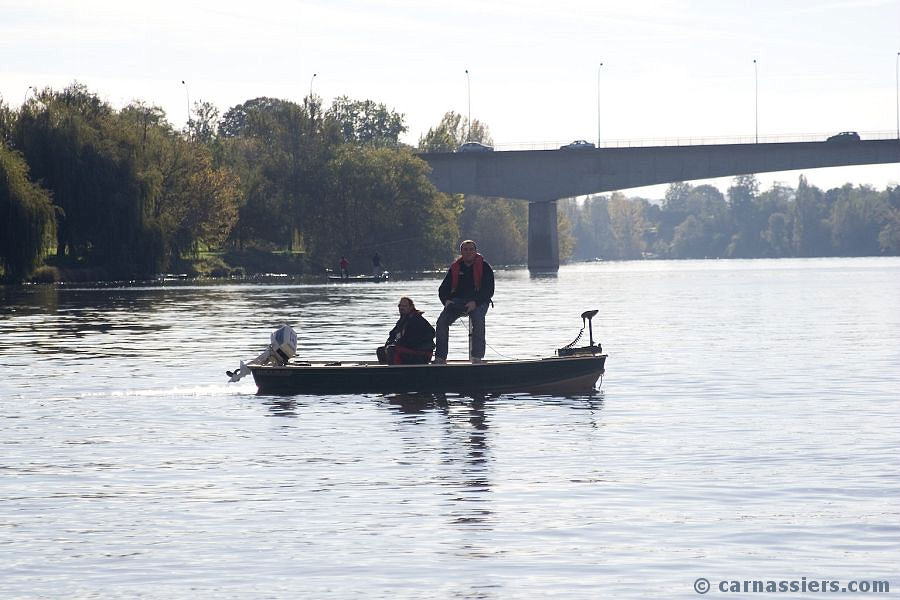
[(844, 137), (475, 147), (578, 145)]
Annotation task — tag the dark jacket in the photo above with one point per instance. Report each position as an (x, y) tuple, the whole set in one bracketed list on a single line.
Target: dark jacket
[(412, 331), (465, 289)]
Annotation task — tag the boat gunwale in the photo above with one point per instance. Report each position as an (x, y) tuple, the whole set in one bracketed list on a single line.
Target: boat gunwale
[(338, 364)]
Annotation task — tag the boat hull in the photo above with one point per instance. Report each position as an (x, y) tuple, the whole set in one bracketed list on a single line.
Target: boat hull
[(357, 279), (577, 374)]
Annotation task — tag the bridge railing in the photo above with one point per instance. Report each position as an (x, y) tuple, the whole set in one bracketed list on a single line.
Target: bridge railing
[(698, 141)]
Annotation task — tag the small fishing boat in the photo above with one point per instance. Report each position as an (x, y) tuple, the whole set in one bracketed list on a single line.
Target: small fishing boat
[(572, 370), (385, 276)]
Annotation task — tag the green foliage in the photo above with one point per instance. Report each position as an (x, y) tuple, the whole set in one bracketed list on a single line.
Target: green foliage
[(697, 222), (451, 132), (365, 122), (124, 194), (279, 150), (132, 194), (499, 226), (380, 199), (26, 218)]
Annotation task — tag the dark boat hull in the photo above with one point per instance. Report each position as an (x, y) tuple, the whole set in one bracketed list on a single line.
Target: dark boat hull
[(577, 374), (357, 279)]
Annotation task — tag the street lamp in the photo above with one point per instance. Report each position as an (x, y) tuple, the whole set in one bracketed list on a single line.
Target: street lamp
[(897, 77), (311, 79), (187, 94), (469, 118), (756, 98), (598, 104), (28, 89)]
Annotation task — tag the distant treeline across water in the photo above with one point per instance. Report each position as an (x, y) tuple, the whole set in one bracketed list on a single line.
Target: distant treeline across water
[(702, 222), (122, 194)]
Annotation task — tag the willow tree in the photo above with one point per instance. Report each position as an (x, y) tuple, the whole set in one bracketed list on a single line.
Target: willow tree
[(26, 218), (74, 146)]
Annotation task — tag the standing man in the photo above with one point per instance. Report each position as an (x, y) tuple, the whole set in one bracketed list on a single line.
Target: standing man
[(345, 268), (467, 290), (376, 265)]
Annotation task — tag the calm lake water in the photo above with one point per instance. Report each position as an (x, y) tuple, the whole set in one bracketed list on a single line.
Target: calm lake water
[(747, 429)]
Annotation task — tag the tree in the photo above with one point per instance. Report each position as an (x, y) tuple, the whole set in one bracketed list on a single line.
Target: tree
[(626, 224), (365, 122), (26, 218), (380, 199), (279, 149), (202, 127), (809, 218), (499, 226), (452, 132), (858, 217), (889, 236), (74, 143), (778, 235), (742, 195), (689, 240)]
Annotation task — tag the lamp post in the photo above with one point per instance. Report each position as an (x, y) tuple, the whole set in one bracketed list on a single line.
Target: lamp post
[(311, 79), (469, 118), (187, 94), (598, 104), (756, 99), (28, 89), (897, 78)]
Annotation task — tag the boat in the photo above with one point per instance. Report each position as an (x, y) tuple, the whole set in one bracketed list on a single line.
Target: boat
[(359, 278), (573, 374), (572, 370)]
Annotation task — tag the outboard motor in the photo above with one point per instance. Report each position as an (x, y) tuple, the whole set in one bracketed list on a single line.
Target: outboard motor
[(570, 349), (282, 348)]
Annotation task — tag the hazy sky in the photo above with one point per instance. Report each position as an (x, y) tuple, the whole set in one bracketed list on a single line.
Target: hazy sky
[(672, 69)]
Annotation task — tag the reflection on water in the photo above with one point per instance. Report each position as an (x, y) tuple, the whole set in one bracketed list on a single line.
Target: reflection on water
[(729, 437)]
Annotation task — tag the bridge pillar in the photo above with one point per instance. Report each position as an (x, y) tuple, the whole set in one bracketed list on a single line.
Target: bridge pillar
[(543, 237)]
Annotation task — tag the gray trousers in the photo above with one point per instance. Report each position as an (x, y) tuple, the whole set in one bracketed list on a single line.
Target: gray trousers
[(453, 311)]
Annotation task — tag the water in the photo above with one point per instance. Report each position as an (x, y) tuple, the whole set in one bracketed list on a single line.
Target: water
[(746, 430)]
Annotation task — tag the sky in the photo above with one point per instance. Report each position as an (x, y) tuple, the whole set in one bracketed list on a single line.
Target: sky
[(540, 74)]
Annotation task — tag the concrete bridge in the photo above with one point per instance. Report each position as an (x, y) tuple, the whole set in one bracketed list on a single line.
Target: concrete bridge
[(544, 176)]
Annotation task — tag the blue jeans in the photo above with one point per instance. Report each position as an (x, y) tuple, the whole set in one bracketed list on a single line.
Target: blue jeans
[(454, 310)]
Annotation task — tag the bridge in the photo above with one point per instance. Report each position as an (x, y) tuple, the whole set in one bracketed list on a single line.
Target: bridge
[(544, 176)]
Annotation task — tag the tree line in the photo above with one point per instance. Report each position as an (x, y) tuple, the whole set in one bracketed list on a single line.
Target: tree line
[(125, 193), (702, 222)]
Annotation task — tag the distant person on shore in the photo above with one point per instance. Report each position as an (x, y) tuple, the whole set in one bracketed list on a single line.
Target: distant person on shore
[(376, 265), (467, 290), (345, 268), (411, 341)]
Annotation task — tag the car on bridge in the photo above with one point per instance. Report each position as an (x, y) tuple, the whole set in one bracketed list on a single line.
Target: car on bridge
[(578, 145), (844, 137), (475, 147)]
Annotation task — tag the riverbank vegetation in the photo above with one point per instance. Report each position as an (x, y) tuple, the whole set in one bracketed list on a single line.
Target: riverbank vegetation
[(93, 192), (702, 222), (90, 192)]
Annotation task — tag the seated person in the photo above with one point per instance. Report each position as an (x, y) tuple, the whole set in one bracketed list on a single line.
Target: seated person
[(411, 341)]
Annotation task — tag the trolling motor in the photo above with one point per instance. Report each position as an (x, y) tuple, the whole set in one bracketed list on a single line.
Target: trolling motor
[(282, 348), (570, 349)]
